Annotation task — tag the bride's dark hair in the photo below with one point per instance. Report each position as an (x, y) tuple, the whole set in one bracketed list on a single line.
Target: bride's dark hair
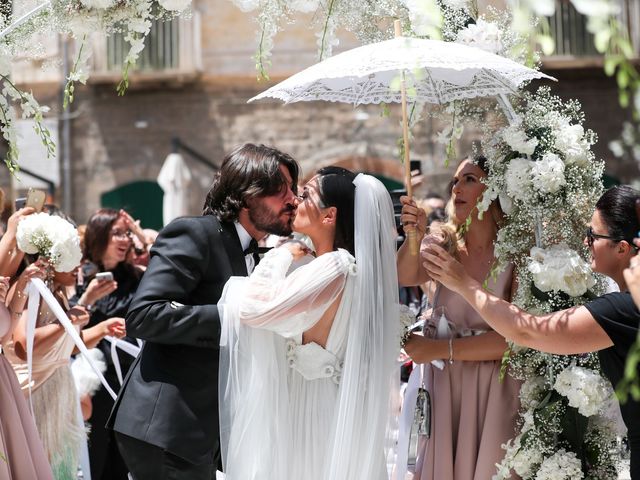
[(337, 190)]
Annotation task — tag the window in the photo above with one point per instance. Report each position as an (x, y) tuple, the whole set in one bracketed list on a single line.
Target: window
[(160, 52), (569, 30)]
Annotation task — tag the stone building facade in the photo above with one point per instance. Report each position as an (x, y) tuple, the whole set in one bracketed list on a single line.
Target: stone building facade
[(203, 101)]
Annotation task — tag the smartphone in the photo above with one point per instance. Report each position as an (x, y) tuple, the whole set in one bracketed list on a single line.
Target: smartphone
[(21, 202), (104, 277), (35, 199)]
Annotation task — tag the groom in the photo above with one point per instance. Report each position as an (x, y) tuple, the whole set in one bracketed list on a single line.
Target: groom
[(166, 415)]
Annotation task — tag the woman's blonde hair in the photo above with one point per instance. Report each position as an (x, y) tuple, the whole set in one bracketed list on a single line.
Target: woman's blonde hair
[(453, 231)]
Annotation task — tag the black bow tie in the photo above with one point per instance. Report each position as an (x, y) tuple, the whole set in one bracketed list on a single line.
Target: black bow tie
[(252, 248)]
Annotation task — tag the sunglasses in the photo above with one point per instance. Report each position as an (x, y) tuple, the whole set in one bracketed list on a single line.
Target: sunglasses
[(591, 237)]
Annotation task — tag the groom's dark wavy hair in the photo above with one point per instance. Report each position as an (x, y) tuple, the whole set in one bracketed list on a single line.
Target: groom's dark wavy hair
[(248, 172), (337, 190)]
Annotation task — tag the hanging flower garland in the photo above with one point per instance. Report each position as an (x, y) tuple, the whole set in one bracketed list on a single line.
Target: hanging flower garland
[(544, 174), (546, 178), (78, 18)]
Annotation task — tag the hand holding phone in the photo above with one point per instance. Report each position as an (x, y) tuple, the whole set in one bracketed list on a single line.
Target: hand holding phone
[(104, 277), (35, 199)]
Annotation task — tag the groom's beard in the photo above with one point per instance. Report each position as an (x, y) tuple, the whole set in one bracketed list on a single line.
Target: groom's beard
[(276, 223)]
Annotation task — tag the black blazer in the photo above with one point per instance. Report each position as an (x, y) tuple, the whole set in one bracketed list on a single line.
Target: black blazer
[(170, 396)]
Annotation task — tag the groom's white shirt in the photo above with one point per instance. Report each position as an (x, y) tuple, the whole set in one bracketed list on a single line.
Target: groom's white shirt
[(245, 240)]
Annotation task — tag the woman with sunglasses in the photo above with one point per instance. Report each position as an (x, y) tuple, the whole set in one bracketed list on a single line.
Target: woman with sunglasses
[(107, 242), (608, 324)]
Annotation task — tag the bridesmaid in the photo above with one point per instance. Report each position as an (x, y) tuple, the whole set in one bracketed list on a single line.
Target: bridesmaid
[(22, 455), (473, 413)]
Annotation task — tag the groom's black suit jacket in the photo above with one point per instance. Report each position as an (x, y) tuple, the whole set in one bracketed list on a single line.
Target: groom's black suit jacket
[(170, 396)]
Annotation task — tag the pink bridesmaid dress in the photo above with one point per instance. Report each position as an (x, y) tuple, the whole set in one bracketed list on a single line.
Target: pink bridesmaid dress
[(22, 456), (473, 413)]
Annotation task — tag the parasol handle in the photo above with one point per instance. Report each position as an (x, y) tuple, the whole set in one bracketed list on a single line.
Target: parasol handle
[(411, 233)]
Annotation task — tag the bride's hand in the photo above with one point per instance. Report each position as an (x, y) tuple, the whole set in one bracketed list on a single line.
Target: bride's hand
[(297, 248), (443, 268)]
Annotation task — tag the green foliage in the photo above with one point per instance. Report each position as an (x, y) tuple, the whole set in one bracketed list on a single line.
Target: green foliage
[(124, 82), (630, 383), (69, 87)]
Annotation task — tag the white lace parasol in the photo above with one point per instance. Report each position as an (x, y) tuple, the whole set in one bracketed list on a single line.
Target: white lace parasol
[(436, 72)]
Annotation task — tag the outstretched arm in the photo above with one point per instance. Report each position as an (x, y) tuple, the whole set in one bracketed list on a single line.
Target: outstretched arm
[(477, 348), (565, 332), (279, 302)]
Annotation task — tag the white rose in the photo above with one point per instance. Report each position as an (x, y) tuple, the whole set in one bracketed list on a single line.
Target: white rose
[(559, 268), (482, 34), (517, 139), (50, 236), (547, 174), (30, 232), (570, 140), (525, 460), (518, 178), (67, 254), (585, 389)]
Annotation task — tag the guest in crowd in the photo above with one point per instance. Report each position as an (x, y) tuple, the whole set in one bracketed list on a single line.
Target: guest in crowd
[(20, 446), (22, 453), (473, 413), (608, 324), (431, 202), (52, 389), (107, 241)]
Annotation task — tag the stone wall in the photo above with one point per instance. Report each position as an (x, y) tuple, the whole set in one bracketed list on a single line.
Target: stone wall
[(116, 140)]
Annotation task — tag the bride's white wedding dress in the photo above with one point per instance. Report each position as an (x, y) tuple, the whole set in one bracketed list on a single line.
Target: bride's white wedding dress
[(300, 411)]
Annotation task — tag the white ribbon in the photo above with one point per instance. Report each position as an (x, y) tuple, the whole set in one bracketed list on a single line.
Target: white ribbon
[(406, 420), (125, 347), (37, 288)]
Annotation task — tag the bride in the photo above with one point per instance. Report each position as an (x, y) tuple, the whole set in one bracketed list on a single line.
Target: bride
[(307, 357)]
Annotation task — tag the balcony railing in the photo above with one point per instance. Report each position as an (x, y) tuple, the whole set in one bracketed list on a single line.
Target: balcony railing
[(573, 40), (172, 47)]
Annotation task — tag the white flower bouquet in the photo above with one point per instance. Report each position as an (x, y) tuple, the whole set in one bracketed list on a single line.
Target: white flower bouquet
[(52, 238), (586, 389), (560, 268)]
